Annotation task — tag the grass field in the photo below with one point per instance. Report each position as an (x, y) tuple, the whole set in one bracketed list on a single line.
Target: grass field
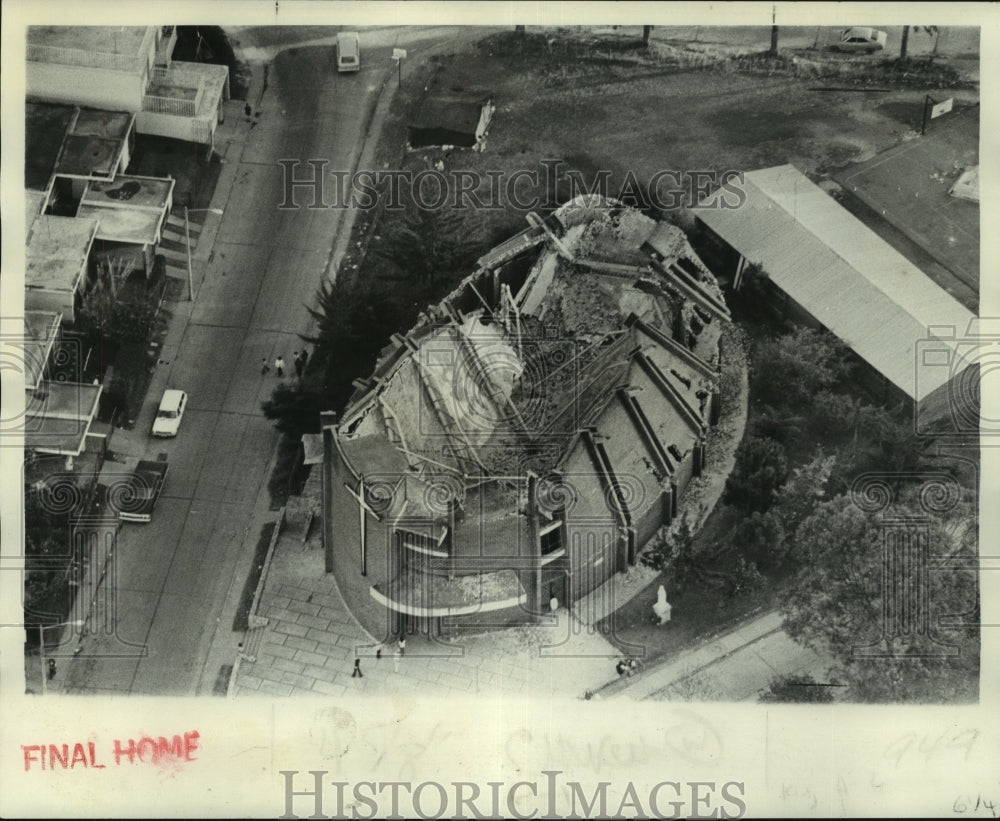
[(908, 186)]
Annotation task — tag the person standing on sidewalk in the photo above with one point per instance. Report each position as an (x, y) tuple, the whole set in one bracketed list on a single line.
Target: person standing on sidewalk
[(357, 669), (402, 644), (297, 361), (279, 367), (264, 369)]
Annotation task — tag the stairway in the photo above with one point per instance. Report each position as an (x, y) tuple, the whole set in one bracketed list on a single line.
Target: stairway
[(173, 244)]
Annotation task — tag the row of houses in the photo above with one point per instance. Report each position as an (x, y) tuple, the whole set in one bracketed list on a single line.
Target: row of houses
[(92, 91)]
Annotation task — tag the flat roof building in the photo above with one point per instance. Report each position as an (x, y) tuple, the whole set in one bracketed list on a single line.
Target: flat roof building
[(830, 268), (128, 68), (57, 258)]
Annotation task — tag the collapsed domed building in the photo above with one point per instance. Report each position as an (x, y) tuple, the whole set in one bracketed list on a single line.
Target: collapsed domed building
[(532, 432)]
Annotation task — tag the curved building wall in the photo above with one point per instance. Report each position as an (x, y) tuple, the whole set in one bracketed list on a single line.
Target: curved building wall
[(345, 533)]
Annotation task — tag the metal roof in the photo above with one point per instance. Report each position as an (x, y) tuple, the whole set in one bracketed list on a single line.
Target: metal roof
[(845, 275)]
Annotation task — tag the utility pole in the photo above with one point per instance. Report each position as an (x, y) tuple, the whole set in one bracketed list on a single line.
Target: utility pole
[(187, 246)]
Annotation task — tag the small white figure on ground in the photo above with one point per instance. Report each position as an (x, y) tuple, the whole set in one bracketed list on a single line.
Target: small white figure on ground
[(662, 607)]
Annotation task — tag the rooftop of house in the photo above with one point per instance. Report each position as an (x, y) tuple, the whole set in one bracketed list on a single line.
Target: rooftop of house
[(182, 80), (45, 127), (500, 389), (71, 141), (59, 415), (57, 252), (130, 209), (123, 40), (34, 204), (41, 330)]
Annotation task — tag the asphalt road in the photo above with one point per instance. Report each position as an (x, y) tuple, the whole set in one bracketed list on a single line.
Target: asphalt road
[(177, 579)]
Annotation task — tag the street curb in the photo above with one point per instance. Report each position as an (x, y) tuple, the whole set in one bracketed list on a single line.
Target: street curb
[(255, 604), (624, 686)]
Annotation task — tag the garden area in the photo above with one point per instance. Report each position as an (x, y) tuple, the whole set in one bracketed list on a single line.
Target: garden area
[(793, 532)]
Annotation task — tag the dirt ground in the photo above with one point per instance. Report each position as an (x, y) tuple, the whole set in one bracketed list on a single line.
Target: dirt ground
[(610, 106)]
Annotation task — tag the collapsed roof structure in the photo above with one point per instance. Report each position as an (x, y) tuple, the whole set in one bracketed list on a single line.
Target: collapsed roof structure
[(532, 431)]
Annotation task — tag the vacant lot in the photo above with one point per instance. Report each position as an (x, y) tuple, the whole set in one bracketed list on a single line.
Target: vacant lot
[(610, 105)]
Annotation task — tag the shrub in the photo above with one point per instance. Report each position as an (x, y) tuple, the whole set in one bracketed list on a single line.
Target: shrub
[(761, 468), (761, 538)]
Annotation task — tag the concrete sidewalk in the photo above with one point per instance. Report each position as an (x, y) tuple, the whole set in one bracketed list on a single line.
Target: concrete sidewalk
[(736, 666), (310, 642)]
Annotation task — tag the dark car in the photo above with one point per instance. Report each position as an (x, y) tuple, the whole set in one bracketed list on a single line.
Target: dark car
[(141, 490)]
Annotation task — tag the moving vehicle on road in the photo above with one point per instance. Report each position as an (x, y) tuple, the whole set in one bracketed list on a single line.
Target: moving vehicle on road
[(169, 415), (860, 38), (137, 502), (348, 51)]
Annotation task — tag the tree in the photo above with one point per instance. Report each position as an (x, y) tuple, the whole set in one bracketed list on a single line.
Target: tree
[(904, 42), (760, 469), (295, 408), (760, 537), (789, 371), (804, 490), (430, 246), (675, 550), (102, 314), (797, 689), (646, 30), (837, 605)]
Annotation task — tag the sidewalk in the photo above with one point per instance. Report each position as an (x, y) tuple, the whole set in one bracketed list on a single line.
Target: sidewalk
[(310, 642), (736, 666)]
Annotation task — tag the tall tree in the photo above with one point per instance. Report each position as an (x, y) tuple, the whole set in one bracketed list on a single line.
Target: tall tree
[(838, 605), (430, 246), (761, 468)]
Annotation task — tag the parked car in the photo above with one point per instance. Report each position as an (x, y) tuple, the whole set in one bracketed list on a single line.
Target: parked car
[(860, 38), (170, 413), (348, 51), (147, 481)]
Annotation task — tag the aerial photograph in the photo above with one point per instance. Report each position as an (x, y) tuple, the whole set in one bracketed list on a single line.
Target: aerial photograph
[(598, 362)]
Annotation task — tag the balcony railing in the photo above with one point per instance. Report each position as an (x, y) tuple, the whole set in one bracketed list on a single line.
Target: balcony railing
[(169, 105), (38, 52)]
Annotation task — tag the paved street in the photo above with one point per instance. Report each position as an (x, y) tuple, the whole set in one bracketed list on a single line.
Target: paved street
[(178, 580), (251, 284)]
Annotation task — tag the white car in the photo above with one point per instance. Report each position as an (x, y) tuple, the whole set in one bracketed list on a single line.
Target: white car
[(861, 38), (170, 413)]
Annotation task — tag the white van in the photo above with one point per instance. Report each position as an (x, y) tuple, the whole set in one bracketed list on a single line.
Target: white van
[(348, 51)]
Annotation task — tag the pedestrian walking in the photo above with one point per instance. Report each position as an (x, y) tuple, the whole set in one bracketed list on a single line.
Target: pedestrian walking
[(279, 367), (264, 369), (378, 651), (305, 359), (402, 645), (297, 360), (248, 110), (357, 669), (52, 669)]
